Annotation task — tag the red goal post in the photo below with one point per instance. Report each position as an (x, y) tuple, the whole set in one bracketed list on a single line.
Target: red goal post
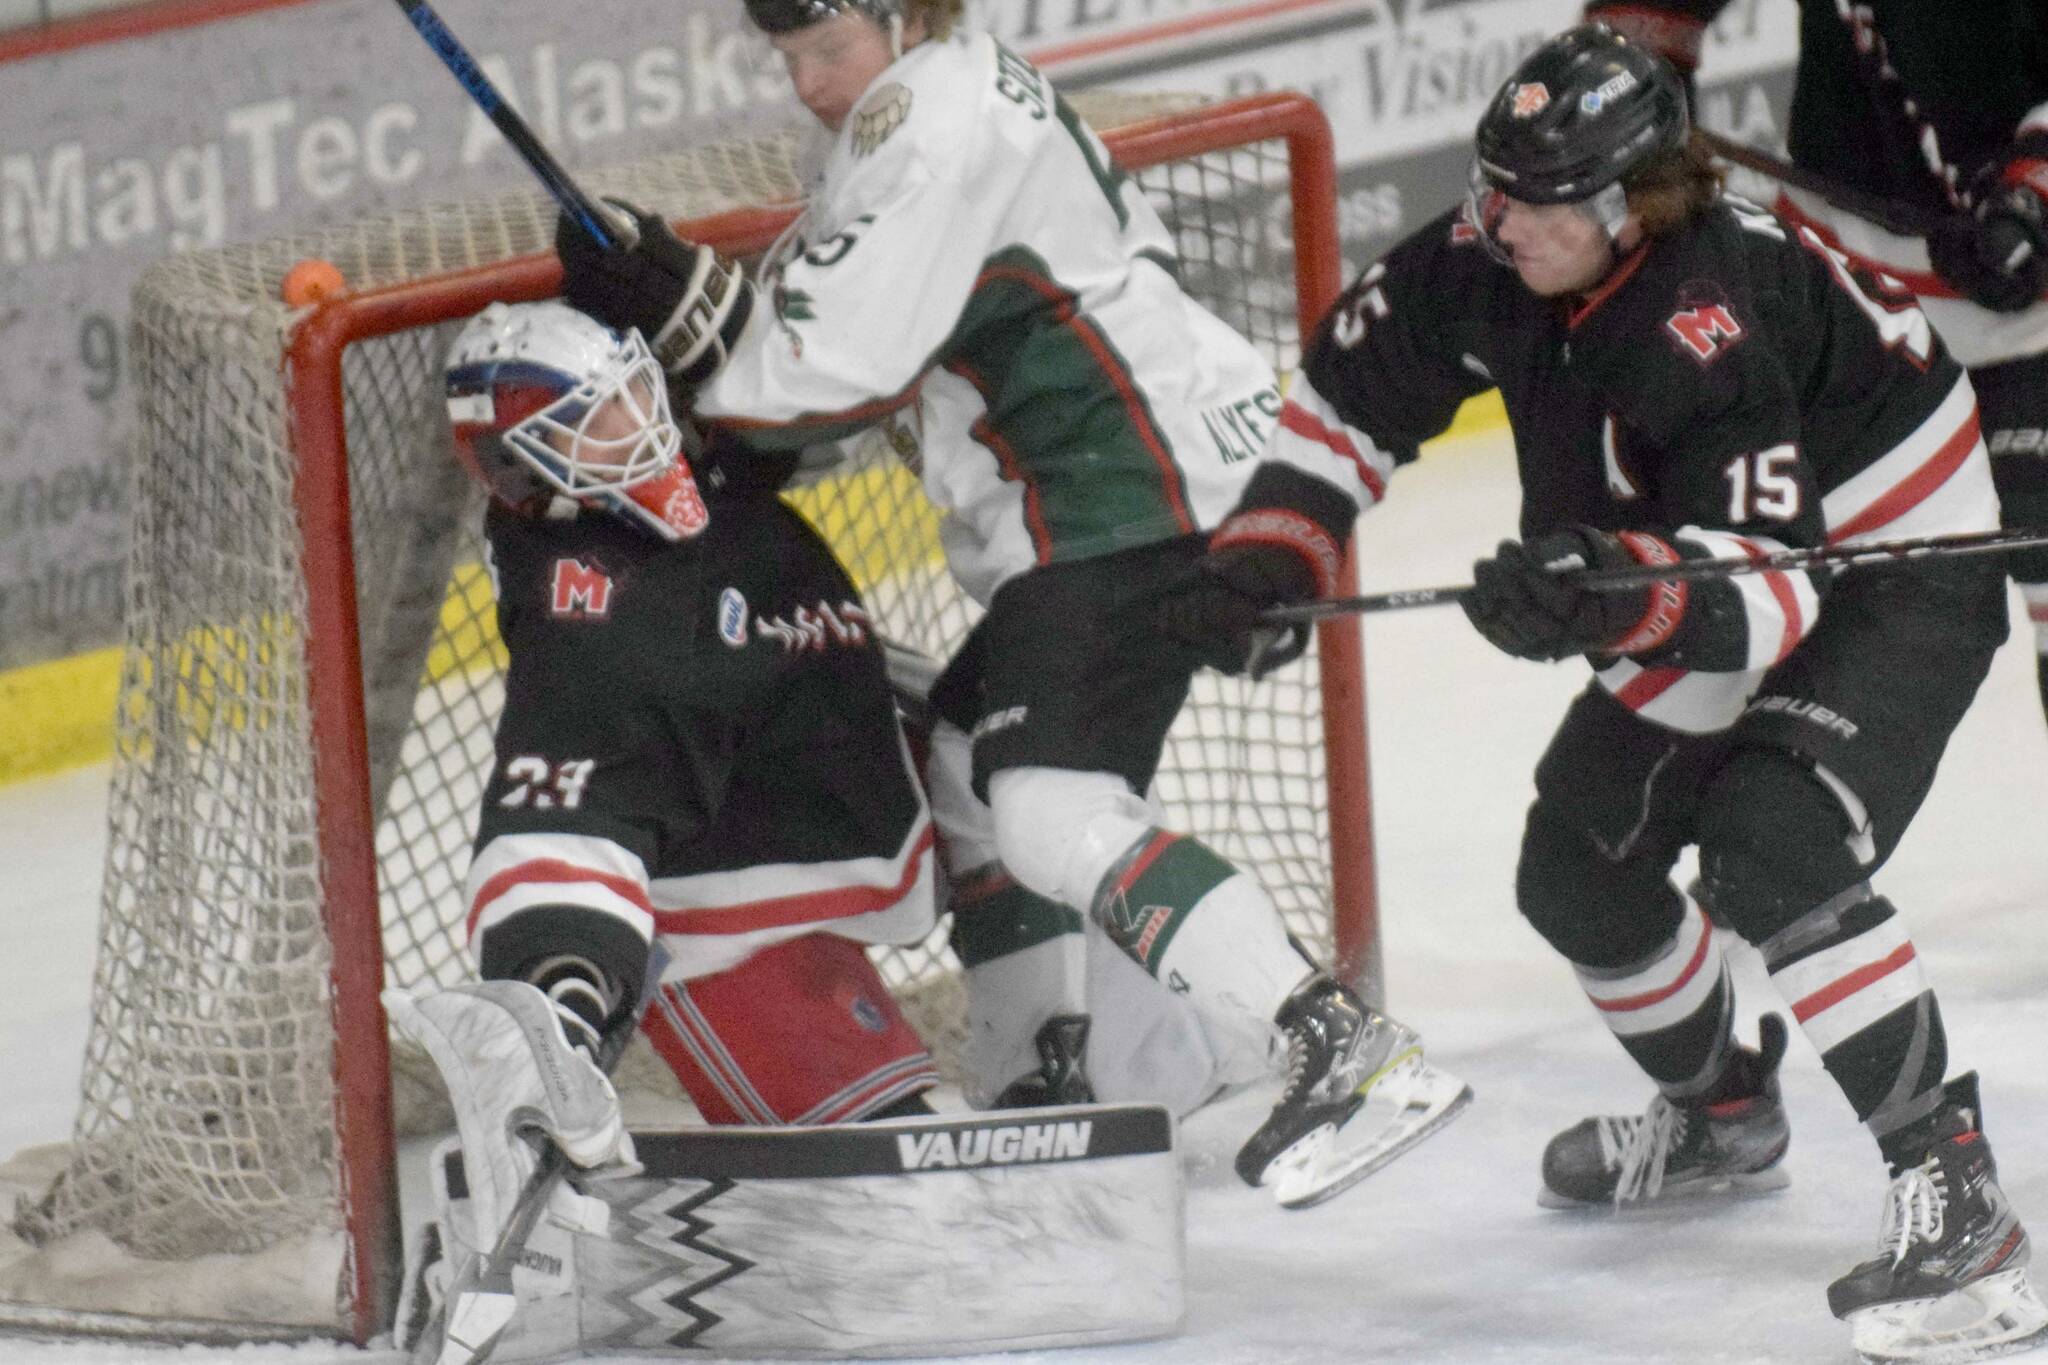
[(1288, 757)]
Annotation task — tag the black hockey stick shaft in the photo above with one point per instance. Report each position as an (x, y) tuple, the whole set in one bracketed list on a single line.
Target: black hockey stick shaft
[(1894, 552), (580, 207), (1894, 216), (480, 1306)]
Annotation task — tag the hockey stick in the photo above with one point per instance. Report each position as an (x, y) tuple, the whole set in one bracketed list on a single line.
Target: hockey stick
[(1895, 552), (604, 229), (482, 1299), (1894, 216)]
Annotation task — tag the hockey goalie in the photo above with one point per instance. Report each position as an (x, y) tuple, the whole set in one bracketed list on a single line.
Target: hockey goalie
[(703, 808)]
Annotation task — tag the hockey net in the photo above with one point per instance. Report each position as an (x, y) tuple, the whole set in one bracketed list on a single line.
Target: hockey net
[(311, 675)]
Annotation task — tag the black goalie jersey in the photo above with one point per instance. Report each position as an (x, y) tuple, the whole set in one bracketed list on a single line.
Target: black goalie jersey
[(698, 740), (1735, 388)]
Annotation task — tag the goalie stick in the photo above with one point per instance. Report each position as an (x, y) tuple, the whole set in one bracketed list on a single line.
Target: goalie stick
[(482, 1299), (603, 228), (1899, 553)]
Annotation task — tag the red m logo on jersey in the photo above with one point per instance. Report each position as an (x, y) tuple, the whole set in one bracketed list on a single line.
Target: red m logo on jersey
[(1705, 331), (580, 590)]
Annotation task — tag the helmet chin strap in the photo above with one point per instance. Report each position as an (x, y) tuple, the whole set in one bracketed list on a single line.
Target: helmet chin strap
[(895, 36)]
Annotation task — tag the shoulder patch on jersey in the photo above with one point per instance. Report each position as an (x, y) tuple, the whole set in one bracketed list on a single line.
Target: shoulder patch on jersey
[(879, 115), (579, 591), (732, 618), (1704, 327)]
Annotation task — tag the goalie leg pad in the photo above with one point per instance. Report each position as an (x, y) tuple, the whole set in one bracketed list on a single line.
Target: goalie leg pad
[(510, 1071), (803, 1032), (545, 1271), (827, 1242)]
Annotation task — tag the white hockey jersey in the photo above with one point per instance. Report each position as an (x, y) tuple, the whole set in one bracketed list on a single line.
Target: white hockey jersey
[(972, 266)]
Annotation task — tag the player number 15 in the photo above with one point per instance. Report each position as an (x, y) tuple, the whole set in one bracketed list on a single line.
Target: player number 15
[(1764, 484)]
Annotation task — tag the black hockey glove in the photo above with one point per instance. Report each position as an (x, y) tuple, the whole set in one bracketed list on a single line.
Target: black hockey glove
[(1519, 602), (1283, 545), (1997, 252), (689, 302), (1214, 608)]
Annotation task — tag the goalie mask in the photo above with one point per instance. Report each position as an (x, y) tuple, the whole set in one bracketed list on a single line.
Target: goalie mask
[(1575, 121), (551, 409)]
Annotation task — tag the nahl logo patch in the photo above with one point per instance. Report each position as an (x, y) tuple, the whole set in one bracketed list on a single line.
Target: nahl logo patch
[(879, 115), (580, 591), (732, 618), (1009, 1145)]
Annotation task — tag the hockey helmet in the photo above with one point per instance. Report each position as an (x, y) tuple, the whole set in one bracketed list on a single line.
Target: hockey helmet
[(1575, 120), (787, 16), (548, 404)]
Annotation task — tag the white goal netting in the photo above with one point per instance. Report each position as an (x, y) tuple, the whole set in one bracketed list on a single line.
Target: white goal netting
[(209, 1125)]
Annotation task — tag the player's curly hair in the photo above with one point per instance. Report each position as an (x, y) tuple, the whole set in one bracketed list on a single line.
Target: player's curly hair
[(939, 16), (1673, 188)]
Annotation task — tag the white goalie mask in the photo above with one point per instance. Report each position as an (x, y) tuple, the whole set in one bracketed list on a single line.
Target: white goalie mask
[(551, 410)]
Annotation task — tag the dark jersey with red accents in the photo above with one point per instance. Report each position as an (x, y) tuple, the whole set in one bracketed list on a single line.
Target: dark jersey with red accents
[(1731, 389), (1971, 72), (696, 736)]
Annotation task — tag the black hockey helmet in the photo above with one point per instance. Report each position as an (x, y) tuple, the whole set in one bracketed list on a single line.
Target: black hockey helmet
[(787, 16), (1579, 114)]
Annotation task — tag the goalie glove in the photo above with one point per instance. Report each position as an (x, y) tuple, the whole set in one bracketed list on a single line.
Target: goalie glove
[(1997, 251), (687, 300), (1283, 545), (511, 1073), (1523, 604)]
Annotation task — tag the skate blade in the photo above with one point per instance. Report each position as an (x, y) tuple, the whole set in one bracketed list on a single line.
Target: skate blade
[(1995, 1316), (1406, 1104), (1748, 1185)]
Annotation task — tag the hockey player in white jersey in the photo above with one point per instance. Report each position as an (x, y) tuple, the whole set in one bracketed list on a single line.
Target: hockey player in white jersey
[(972, 266)]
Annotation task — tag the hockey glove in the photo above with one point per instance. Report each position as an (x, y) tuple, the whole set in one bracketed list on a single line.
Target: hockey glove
[(1520, 602), (1997, 252), (687, 300), (1214, 607), (1284, 544)]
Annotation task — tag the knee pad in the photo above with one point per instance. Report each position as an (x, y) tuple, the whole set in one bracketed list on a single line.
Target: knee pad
[(1060, 831), (1598, 911), (1777, 837)]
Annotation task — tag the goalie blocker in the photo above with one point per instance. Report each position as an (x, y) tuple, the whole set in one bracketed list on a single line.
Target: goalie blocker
[(825, 1242)]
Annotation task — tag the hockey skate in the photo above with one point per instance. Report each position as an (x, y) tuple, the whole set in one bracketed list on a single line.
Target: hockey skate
[(1949, 1282), (1062, 1076), (1676, 1151), (1358, 1095)]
